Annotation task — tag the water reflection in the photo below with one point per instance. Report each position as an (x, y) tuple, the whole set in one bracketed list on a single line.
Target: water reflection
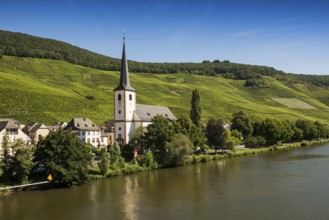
[(130, 198)]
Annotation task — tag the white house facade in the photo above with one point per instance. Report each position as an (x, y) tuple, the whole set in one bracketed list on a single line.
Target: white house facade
[(87, 131), (12, 129)]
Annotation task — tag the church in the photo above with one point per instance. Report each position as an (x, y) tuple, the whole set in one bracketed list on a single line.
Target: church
[(128, 115)]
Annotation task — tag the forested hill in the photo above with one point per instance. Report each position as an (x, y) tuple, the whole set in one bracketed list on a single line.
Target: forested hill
[(24, 45)]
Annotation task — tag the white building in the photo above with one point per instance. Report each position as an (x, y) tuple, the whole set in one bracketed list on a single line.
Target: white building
[(128, 115), (87, 131), (12, 128)]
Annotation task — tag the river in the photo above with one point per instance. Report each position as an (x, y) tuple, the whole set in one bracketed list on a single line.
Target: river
[(291, 184)]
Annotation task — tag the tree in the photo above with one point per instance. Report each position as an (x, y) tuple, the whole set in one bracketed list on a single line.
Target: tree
[(184, 125), (115, 155), (196, 110), (271, 130), (104, 161), (21, 165), (215, 133), (63, 155), (157, 135), (177, 150), (242, 123)]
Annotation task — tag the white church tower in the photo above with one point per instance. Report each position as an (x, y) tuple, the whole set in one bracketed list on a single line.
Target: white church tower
[(124, 103)]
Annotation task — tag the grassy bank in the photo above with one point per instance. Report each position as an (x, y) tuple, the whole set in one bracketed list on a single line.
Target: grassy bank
[(129, 168)]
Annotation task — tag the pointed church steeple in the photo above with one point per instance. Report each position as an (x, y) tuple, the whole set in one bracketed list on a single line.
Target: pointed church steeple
[(124, 76)]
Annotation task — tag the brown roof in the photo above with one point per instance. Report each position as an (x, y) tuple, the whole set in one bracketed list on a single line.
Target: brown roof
[(8, 123), (85, 124)]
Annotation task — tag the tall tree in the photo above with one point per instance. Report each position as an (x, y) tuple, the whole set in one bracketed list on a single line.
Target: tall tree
[(184, 125), (63, 155), (215, 133), (196, 110), (242, 123), (158, 134)]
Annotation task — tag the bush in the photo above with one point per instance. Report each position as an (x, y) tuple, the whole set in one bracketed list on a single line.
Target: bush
[(255, 142)]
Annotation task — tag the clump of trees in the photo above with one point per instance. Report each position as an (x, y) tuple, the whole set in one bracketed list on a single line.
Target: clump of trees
[(272, 131)]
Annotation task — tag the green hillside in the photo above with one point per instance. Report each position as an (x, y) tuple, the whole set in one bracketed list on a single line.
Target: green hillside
[(42, 90)]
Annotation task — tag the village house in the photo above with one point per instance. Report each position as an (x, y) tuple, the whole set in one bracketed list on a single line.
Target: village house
[(87, 131), (12, 129), (128, 115), (35, 131)]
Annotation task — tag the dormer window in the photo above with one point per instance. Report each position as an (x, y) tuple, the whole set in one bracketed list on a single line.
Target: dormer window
[(119, 97)]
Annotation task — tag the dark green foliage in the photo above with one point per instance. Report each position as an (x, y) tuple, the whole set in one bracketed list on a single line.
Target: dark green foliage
[(116, 160), (255, 142), (147, 160), (196, 110), (158, 134), (215, 133), (184, 125), (177, 151), (16, 162), (104, 161), (63, 156), (257, 83), (242, 123), (90, 97)]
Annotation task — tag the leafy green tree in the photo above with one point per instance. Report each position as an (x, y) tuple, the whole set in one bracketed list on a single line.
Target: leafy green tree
[(184, 125), (104, 161), (215, 133), (231, 141), (21, 165), (255, 142), (137, 140), (63, 155), (157, 135), (177, 151), (116, 159), (242, 123), (196, 110)]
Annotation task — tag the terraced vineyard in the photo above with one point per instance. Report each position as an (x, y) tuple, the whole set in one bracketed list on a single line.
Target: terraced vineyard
[(49, 90)]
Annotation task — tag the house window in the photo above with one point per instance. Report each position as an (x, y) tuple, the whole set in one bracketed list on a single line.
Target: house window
[(88, 140), (119, 128), (93, 140), (130, 97), (119, 112), (119, 97), (88, 133)]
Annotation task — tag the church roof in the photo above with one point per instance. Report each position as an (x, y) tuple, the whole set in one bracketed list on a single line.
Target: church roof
[(147, 112), (124, 76)]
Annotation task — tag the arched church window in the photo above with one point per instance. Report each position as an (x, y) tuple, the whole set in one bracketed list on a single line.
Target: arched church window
[(130, 97), (119, 97)]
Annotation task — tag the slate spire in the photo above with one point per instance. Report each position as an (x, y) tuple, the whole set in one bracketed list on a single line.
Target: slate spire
[(124, 76)]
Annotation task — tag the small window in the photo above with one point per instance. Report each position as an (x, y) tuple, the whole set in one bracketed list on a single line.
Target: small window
[(119, 97), (130, 97), (119, 128), (119, 112)]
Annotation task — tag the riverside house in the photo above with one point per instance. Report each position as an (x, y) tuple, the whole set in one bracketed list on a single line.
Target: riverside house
[(12, 128), (87, 131)]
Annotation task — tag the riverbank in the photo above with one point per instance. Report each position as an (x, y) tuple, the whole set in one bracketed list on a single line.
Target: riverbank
[(134, 167)]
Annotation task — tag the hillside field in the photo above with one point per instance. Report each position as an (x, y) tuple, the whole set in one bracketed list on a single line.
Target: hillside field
[(46, 91)]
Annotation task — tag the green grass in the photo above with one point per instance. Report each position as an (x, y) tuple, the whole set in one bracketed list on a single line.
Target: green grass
[(48, 90)]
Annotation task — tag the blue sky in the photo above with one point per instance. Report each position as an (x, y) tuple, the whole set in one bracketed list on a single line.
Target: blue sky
[(290, 35)]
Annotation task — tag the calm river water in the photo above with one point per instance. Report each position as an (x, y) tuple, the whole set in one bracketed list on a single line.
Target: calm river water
[(290, 184)]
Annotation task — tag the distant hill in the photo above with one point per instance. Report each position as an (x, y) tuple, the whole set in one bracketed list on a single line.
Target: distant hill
[(24, 45), (45, 90)]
